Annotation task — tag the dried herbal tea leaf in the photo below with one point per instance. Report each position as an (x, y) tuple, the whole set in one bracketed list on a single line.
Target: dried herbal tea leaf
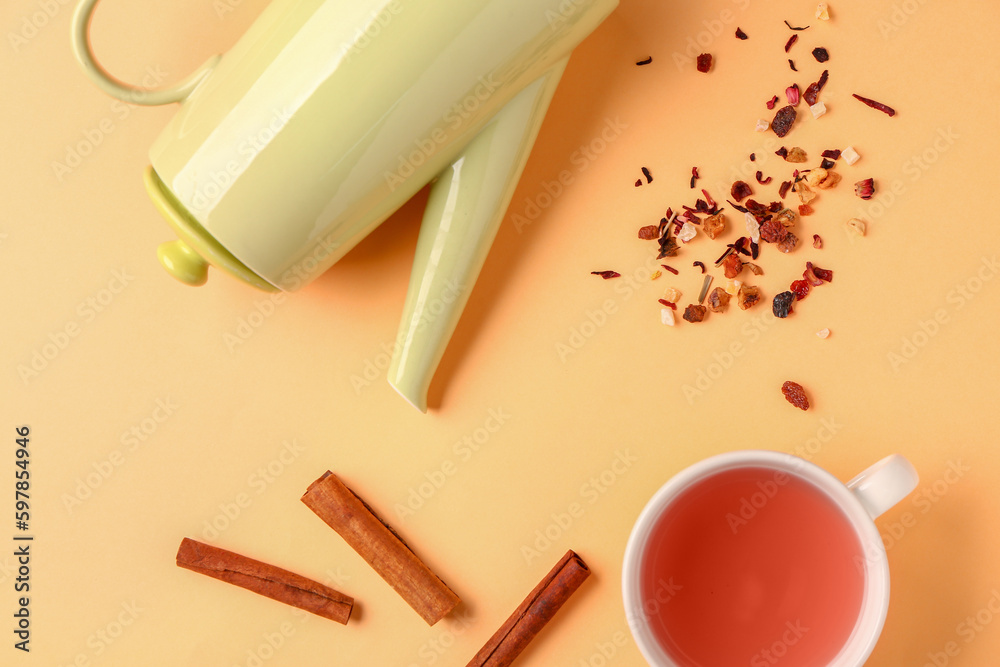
[(865, 189)]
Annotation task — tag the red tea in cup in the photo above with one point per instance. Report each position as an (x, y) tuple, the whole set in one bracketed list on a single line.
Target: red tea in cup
[(759, 566), (761, 558)]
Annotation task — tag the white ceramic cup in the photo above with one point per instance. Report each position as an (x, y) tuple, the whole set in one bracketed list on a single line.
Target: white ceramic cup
[(862, 499)]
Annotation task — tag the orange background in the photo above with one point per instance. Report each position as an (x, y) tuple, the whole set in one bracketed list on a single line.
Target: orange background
[(579, 370)]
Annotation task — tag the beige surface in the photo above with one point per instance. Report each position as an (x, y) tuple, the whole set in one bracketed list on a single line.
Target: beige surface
[(263, 398)]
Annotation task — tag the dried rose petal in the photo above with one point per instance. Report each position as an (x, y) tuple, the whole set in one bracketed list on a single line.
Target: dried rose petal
[(694, 176), (783, 188), (704, 62), (607, 275), (876, 105), (817, 241), (865, 189), (783, 120), (790, 42), (740, 191), (832, 154), (695, 313), (792, 93), (761, 180), (771, 102), (649, 232), (821, 54), (795, 394)]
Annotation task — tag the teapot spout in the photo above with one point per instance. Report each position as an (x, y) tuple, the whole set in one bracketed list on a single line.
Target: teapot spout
[(464, 211)]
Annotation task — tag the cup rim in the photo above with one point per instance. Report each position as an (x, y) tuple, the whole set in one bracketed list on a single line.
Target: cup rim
[(875, 602)]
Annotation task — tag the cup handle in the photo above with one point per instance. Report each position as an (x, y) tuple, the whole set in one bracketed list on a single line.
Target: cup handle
[(118, 89), (884, 484)]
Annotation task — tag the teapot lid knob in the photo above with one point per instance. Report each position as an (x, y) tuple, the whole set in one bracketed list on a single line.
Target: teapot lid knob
[(183, 263)]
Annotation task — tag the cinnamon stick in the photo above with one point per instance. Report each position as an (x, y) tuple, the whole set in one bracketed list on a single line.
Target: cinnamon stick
[(264, 579), (532, 615), (380, 546)]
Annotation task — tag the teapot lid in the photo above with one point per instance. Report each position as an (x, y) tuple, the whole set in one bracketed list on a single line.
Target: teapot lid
[(187, 258)]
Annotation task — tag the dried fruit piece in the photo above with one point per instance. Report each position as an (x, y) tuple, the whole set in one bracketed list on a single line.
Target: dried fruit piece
[(753, 227), (831, 180), (668, 304), (748, 296), (762, 125), (821, 54), (773, 231), (649, 176), (771, 102), (795, 394), (687, 232), (791, 41), (818, 109), (825, 275), (800, 288), (704, 62), (733, 287), (695, 313), (783, 188), (672, 294), (656, 274), (857, 226), (805, 193), (670, 269), (815, 176), (668, 247), (740, 191), (732, 265), (783, 120), (796, 155), (760, 178), (718, 300), (714, 225), (876, 105), (786, 217), (822, 12), (865, 189), (787, 244), (740, 34), (754, 269), (793, 94), (607, 275), (700, 265), (805, 209), (782, 152), (832, 154), (850, 155), (791, 63), (667, 316), (649, 232), (781, 306), (817, 241), (646, 61), (823, 333), (812, 92)]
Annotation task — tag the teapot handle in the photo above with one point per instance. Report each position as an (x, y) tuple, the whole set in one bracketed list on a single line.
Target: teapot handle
[(118, 89)]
